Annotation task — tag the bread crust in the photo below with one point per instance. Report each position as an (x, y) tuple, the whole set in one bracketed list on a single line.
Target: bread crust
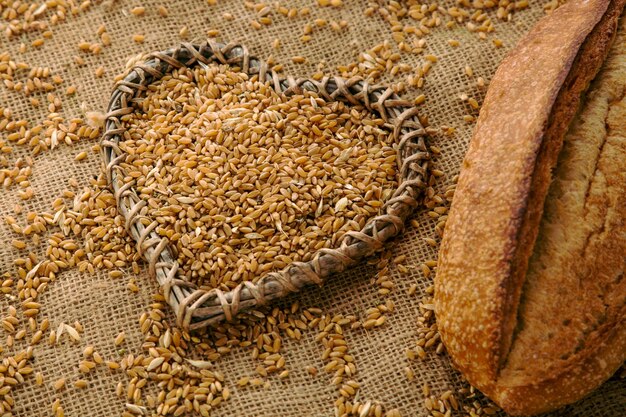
[(494, 220)]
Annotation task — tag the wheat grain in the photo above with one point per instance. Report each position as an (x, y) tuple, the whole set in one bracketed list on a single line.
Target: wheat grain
[(277, 200)]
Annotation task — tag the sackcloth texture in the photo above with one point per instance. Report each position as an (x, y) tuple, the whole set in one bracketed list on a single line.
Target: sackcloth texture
[(105, 306)]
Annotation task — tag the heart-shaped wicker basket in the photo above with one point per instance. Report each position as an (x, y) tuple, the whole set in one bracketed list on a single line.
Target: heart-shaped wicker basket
[(196, 307)]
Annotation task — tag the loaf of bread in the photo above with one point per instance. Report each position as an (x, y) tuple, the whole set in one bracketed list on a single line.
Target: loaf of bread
[(530, 292)]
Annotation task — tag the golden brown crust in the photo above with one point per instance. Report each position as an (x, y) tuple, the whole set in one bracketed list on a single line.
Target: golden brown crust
[(571, 331), (493, 224), (571, 386), (586, 64)]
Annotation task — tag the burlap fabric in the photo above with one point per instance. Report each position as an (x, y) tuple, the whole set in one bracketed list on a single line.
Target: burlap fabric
[(105, 306)]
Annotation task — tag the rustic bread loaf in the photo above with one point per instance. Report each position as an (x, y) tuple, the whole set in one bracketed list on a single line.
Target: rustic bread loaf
[(530, 293)]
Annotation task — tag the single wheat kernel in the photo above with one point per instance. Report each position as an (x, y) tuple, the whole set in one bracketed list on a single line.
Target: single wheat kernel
[(59, 384), (81, 383), (138, 11), (119, 339)]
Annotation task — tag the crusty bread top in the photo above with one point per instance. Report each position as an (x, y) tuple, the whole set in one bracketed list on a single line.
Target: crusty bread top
[(488, 240), (571, 331), (574, 296)]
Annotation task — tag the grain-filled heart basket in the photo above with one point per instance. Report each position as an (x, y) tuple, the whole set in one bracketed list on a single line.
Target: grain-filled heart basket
[(196, 306)]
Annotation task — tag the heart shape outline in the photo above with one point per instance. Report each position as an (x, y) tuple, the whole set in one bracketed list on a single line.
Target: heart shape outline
[(196, 308)]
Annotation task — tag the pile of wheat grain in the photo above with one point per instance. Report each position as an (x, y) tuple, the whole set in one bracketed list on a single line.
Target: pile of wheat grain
[(243, 180)]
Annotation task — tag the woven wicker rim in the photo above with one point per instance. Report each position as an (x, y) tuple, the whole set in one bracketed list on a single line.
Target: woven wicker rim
[(196, 308)]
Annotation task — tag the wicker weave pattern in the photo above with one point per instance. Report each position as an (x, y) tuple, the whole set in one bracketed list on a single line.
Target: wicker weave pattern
[(195, 307)]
